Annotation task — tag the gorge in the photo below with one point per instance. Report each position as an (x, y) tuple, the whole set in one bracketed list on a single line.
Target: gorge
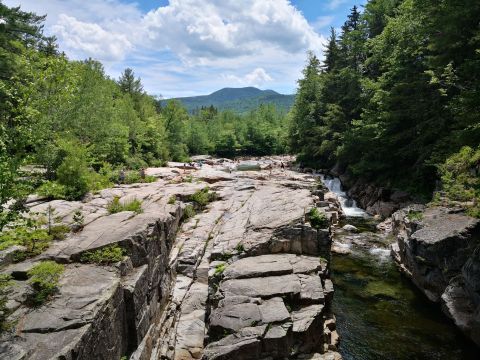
[(247, 277)]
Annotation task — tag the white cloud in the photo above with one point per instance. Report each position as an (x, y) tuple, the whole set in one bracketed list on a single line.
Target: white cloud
[(91, 40), (187, 46), (197, 30), (258, 77)]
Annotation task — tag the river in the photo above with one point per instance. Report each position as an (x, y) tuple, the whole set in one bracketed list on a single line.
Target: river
[(380, 313)]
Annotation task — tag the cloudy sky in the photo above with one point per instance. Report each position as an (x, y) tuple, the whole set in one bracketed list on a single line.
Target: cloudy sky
[(194, 47)]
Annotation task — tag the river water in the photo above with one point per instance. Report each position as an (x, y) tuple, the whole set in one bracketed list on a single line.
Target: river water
[(380, 314)]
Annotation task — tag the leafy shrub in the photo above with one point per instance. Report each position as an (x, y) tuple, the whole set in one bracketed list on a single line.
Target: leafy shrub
[(52, 190), (414, 215), (107, 255), (460, 176), (5, 282), (35, 240), (73, 172), (203, 197), (317, 219), (135, 162), (132, 177), (149, 179), (59, 232), (98, 181), (189, 212), (115, 206), (219, 269), (172, 199), (43, 281), (188, 179)]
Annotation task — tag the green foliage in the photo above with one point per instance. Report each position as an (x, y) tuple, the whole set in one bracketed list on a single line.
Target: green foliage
[(219, 269), (78, 220), (415, 215), (115, 206), (317, 219), (172, 199), (104, 256), (225, 256), (59, 232), (189, 212), (240, 248), (5, 283), (460, 175), (393, 99), (203, 197), (34, 239), (73, 171), (43, 280), (52, 190)]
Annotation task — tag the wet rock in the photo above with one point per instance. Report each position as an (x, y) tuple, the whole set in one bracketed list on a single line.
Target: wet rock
[(350, 228), (440, 252)]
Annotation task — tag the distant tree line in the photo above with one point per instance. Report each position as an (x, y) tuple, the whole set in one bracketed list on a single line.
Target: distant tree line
[(396, 95)]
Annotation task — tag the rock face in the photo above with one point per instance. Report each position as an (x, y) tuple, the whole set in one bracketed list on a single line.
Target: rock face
[(245, 278), (440, 252)]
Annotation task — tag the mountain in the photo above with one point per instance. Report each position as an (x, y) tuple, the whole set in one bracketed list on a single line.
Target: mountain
[(240, 100)]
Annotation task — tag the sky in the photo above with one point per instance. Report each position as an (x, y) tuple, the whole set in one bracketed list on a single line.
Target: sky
[(194, 47)]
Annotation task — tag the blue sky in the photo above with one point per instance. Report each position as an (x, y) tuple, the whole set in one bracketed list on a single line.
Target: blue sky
[(194, 47)]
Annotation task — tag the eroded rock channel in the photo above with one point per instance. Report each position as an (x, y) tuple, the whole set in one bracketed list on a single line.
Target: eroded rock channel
[(245, 278)]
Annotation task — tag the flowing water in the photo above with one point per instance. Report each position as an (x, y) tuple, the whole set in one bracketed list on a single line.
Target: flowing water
[(380, 314)]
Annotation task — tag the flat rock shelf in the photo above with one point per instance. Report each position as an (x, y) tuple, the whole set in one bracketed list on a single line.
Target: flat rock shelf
[(247, 277)]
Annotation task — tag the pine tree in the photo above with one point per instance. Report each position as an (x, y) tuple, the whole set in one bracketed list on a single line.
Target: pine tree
[(129, 84), (331, 52)]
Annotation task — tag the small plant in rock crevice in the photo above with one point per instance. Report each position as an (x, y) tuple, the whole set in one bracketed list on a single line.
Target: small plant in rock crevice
[(115, 206), (219, 269), (43, 281), (415, 215), (225, 256), (188, 212), (78, 220), (317, 219), (203, 197), (172, 200), (240, 248), (5, 283), (108, 255)]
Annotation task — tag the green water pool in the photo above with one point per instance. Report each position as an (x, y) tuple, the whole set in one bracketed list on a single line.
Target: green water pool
[(381, 315)]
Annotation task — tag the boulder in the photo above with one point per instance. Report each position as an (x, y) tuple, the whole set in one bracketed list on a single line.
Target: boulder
[(350, 228)]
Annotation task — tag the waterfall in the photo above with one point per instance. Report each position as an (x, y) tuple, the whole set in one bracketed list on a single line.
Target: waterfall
[(349, 206)]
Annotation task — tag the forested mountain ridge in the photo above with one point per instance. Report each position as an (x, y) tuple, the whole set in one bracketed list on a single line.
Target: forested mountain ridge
[(239, 100), (396, 101)]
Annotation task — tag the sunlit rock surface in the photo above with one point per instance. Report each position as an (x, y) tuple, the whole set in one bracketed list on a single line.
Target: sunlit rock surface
[(245, 278)]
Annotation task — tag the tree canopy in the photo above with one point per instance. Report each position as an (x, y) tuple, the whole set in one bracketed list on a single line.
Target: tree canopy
[(396, 95)]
